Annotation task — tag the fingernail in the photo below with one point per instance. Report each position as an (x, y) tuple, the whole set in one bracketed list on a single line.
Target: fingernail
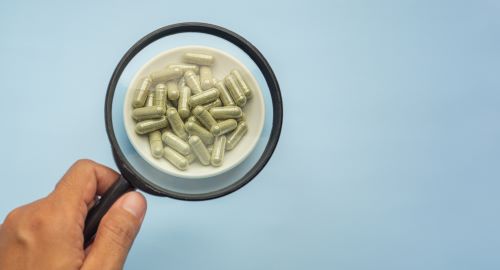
[(134, 203)]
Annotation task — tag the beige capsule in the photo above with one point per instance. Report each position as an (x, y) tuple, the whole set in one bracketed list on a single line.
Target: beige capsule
[(155, 144), (150, 99), (224, 127), (172, 90), (186, 67), (205, 118), (224, 94), (183, 103), (238, 96), (198, 59), (193, 82), (235, 137), (199, 149), (217, 156), (160, 96), (141, 93), (144, 113), (213, 104), (204, 97), (176, 159), (176, 123), (166, 74), (151, 125), (195, 129), (226, 112), (206, 79), (242, 84), (175, 142), (191, 158)]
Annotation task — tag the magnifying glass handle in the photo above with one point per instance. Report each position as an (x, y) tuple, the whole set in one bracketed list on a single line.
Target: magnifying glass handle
[(95, 214)]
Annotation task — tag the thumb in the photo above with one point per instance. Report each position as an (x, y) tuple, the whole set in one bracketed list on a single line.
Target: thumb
[(116, 233)]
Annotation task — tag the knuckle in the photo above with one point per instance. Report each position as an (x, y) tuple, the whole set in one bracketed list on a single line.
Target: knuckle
[(84, 164), (14, 216), (119, 230)]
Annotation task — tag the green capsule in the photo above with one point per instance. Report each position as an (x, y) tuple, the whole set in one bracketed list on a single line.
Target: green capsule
[(176, 123), (155, 144), (242, 84), (193, 119), (172, 90), (199, 150), (191, 158), (198, 59), (204, 97), (166, 74), (224, 127), (185, 67), (205, 118), (224, 94), (176, 159), (210, 148), (169, 104), (213, 104), (193, 82), (238, 96), (151, 125), (243, 117), (206, 79), (217, 156), (181, 83), (144, 113), (234, 138), (197, 130), (175, 142), (226, 112), (141, 93), (183, 104), (160, 96), (150, 99)]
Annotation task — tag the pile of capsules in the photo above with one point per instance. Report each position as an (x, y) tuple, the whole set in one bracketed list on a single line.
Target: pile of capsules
[(195, 116)]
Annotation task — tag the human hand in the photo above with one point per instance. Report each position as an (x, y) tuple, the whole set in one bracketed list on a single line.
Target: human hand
[(48, 233)]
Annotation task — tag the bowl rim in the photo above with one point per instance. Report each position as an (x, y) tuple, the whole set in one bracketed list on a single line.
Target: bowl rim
[(129, 173), (134, 138)]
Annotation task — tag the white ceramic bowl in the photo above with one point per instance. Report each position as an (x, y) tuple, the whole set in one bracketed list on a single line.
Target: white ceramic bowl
[(254, 110)]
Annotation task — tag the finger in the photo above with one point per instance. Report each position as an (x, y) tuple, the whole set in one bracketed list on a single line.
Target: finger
[(83, 181), (116, 233)]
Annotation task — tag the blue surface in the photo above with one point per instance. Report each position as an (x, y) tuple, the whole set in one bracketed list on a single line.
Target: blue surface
[(390, 151)]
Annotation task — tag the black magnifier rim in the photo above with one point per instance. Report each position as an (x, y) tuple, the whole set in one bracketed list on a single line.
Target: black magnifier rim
[(134, 177)]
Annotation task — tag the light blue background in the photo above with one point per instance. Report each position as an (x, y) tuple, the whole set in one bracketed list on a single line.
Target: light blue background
[(389, 156)]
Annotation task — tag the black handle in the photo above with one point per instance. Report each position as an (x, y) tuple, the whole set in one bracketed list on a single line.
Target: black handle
[(95, 214)]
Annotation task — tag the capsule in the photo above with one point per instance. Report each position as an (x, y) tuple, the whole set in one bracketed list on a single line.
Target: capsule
[(217, 156), (172, 90), (141, 93), (176, 123), (198, 59), (194, 129), (193, 119), (204, 97), (191, 158), (205, 118), (183, 103), (166, 74), (151, 125), (169, 104), (160, 96), (238, 96), (181, 83), (185, 67), (150, 99), (199, 150), (144, 113), (176, 159), (234, 138), (213, 104), (193, 82), (224, 94), (175, 142), (226, 112), (224, 127), (242, 84), (206, 81), (155, 144)]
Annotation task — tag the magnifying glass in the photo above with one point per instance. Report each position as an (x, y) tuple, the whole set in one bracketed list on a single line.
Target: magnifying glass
[(264, 116)]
